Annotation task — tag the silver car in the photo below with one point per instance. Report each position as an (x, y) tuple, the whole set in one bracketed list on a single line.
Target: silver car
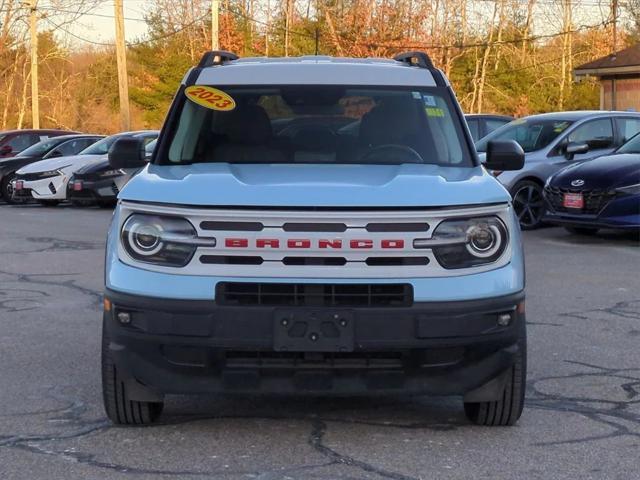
[(552, 141)]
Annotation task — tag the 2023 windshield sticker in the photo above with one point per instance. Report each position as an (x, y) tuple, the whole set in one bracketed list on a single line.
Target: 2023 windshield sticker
[(210, 97)]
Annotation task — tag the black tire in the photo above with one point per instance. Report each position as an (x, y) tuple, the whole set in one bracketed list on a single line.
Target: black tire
[(581, 230), (119, 408), (6, 189), (49, 203), (528, 204), (507, 410)]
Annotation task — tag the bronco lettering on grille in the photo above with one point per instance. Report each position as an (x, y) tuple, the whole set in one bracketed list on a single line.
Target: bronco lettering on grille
[(305, 243)]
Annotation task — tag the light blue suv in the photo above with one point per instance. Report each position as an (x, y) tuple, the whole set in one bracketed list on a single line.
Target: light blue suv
[(314, 225), (552, 141)]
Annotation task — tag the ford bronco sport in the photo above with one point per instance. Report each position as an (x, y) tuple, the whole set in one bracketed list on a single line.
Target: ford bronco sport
[(314, 225)]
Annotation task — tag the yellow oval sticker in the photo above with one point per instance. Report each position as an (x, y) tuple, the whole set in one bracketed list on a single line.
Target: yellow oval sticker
[(210, 97)]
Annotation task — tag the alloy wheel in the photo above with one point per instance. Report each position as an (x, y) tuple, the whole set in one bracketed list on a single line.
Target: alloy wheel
[(529, 205)]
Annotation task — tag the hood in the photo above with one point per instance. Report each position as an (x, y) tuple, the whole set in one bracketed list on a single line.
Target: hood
[(101, 165), (289, 185), (12, 163), (59, 162), (606, 172)]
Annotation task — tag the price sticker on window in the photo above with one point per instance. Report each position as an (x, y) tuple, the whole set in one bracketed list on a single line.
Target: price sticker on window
[(435, 112), (210, 97)]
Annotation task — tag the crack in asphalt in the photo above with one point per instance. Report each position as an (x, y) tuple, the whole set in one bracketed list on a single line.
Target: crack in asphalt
[(628, 310), (20, 299), (618, 416), (28, 279), (318, 431), (56, 245)]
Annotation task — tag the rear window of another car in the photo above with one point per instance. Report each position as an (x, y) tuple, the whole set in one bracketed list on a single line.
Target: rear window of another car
[(628, 127), (632, 146), (495, 123), (317, 124)]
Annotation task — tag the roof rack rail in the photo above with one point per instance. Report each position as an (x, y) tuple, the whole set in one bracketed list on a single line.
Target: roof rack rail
[(216, 57), (419, 59)]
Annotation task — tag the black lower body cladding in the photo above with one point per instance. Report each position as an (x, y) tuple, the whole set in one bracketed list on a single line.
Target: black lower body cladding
[(164, 346)]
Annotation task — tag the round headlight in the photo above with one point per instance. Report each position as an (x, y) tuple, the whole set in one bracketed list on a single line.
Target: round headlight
[(470, 242), (145, 239), (158, 239), (483, 240)]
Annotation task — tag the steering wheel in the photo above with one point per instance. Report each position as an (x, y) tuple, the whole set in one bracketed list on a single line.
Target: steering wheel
[(295, 129), (382, 153)]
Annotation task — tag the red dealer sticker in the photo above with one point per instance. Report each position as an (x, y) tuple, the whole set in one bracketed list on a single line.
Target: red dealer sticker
[(573, 200)]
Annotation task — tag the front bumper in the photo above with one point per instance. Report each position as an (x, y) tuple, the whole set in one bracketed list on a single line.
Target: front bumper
[(51, 188), (197, 346), (621, 213), (100, 190)]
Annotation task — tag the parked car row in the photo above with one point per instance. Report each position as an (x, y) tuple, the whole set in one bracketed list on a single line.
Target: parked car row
[(12, 142), (561, 147), (582, 169), (46, 171)]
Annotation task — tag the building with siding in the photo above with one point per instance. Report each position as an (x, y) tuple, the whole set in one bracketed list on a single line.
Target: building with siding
[(619, 78)]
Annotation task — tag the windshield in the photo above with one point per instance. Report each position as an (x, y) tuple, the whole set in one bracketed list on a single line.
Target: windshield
[(317, 124), (632, 146), (101, 147), (40, 148), (531, 134)]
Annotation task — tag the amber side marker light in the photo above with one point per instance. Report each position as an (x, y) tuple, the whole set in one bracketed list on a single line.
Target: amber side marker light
[(107, 304), (521, 307)]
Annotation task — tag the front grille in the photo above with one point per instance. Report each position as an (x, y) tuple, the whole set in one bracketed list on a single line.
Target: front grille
[(307, 294), (594, 200), (397, 227), (315, 360), (24, 193), (396, 261), (85, 176), (230, 260), (81, 194), (235, 226), (327, 245)]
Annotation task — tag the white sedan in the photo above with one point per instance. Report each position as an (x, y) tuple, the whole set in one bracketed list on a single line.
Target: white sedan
[(47, 180)]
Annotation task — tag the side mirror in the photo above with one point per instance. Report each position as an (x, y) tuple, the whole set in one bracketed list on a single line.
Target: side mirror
[(127, 152), (574, 148), (5, 150), (54, 154), (504, 155)]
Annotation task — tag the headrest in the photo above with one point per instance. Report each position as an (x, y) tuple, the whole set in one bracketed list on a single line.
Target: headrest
[(248, 124)]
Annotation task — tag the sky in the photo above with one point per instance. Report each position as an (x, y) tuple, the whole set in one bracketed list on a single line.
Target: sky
[(99, 26)]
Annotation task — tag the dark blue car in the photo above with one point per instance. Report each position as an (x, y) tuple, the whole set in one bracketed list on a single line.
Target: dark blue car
[(601, 193)]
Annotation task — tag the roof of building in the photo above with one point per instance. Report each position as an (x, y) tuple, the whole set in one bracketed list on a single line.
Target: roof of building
[(624, 61)]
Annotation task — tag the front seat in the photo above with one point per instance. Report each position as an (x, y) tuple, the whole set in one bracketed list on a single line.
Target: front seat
[(248, 135)]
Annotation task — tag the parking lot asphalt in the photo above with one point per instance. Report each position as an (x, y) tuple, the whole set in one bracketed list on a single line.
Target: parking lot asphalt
[(581, 418)]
